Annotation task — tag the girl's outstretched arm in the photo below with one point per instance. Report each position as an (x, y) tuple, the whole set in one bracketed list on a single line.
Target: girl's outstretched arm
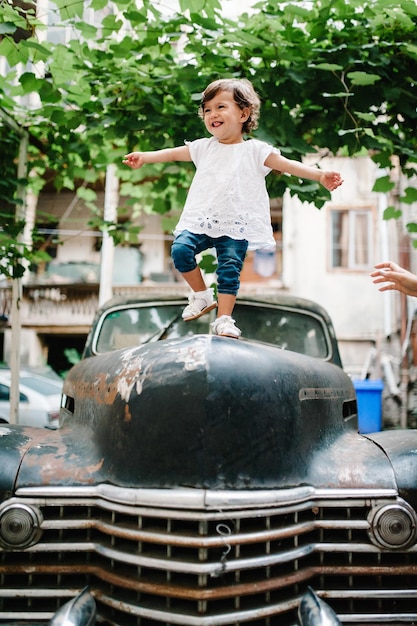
[(135, 160), (395, 277), (329, 179)]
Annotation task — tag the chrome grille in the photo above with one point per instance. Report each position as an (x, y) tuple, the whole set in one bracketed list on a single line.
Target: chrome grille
[(191, 557)]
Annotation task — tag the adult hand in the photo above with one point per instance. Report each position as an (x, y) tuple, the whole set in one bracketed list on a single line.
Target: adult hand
[(395, 277)]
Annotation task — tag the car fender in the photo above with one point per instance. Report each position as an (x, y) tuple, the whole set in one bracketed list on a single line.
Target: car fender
[(15, 441), (400, 447)]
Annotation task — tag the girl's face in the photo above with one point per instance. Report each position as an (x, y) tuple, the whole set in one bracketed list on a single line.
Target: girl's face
[(224, 119)]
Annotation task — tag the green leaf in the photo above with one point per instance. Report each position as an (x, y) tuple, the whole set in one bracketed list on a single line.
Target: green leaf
[(411, 49), (70, 9), (412, 227), (13, 52), (366, 117), (362, 78), (62, 66), (410, 195), (79, 94), (330, 67), (398, 15), (136, 16), (110, 24), (37, 51), (6, 28), (383, 185), (206, 22), (11, 15), (29, 82), (97, 5), (87, 30), (383, 159), (89, 195), (208, 263), (58, 117), (391, 213), (194, 6), (40, 256), (47, 93)]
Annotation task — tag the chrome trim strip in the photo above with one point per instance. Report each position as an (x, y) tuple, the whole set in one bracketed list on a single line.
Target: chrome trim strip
[(39, 593), (203, 499), (31, 616), (203, 541), (395, 619), (214, 568), (213, 620), (368, 593)]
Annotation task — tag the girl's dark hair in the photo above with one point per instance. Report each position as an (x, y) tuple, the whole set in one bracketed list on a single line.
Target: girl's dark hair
[(243, 94)]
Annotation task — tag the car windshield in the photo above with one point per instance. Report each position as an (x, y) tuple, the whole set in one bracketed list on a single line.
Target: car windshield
[(45, 387), (286, 328)]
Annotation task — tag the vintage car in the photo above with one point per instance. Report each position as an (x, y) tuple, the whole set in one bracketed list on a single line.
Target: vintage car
[(199, 480)]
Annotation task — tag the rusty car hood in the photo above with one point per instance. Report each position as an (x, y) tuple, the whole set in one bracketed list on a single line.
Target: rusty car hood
[(203, 412)]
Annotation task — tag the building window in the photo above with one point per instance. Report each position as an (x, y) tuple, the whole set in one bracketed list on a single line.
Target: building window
[(351, 238)]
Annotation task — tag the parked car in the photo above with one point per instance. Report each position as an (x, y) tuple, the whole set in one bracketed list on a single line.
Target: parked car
[(200, 480), (39, 398)]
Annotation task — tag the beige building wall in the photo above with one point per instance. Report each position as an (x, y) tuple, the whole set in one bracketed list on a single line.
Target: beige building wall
[(361, 314)]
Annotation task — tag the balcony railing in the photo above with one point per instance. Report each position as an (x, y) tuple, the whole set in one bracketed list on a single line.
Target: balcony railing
[(74, 305), (66, 305)]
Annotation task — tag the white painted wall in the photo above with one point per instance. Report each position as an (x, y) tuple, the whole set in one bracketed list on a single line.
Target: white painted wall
[(152, 245), (360, 313)]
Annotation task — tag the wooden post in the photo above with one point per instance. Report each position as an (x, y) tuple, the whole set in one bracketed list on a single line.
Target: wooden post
[(111, 195), (17, 292)]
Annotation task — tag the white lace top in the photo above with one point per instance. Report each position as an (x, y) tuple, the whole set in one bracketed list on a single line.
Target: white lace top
[(228, 193)]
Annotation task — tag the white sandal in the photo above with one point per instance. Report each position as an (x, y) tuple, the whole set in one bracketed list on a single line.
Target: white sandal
[(199, 303), (225, 327)]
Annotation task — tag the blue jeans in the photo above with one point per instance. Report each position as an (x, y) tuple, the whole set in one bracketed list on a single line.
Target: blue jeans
[(230, 256)]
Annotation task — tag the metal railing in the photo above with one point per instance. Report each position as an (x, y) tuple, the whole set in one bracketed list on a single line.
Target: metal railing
[(59, 305), (75, 304)]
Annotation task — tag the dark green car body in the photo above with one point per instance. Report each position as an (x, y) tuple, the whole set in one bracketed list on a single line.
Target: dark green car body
[(205, 481)]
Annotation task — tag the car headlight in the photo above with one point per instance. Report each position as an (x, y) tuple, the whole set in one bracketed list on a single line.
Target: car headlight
[(393, 526), (19, 526)]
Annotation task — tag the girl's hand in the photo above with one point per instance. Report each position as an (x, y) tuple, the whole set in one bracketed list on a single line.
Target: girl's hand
[(331, 180), (135, 160)]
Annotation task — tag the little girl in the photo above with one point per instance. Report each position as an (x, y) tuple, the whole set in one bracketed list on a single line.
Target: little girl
[(227, 207)]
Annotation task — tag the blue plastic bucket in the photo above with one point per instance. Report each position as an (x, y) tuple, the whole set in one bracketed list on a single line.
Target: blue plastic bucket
[(369, 397)]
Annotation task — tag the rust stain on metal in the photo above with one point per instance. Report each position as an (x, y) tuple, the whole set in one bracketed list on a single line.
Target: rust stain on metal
[(128, 415), (104, 389), (50, 468), (132, 373), (131, 376), (212, 593), (51, 471), (99, 389)]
